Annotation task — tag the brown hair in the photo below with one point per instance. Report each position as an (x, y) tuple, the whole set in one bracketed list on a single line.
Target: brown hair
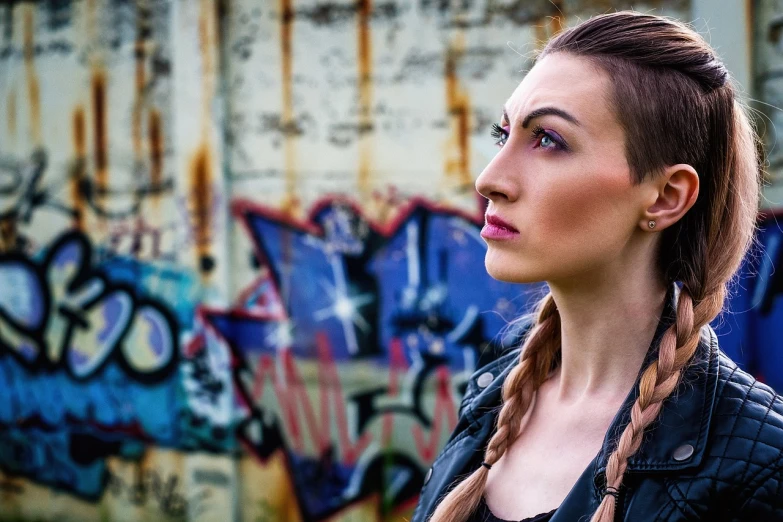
[(676, 103)]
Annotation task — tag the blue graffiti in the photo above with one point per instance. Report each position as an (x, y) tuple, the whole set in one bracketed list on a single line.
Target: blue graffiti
[(89, 364), (63, 312), (750, 329), (423, 279)]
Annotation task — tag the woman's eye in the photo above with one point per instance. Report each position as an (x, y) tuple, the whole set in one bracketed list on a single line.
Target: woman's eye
[(547, 142), (500, 134)]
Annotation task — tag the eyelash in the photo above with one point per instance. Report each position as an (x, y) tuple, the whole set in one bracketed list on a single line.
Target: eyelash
[(500, 134)]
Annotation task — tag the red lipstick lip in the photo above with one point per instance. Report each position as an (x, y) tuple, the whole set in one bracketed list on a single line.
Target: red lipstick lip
[(494, 220)]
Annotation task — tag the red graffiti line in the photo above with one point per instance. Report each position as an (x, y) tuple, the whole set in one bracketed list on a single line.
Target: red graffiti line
[(295, 404), (294, 401), (397, 365), (444, 407)]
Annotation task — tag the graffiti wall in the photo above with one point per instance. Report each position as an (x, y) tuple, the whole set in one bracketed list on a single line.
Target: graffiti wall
[(240, 270), (112, 237)]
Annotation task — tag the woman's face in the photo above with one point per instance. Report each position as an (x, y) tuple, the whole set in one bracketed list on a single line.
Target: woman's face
[(560, 177)]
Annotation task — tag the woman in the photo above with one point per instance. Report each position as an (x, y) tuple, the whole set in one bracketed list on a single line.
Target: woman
[(627, 179)]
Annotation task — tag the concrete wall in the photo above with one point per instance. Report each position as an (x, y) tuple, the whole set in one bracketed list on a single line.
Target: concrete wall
[(240, 270)]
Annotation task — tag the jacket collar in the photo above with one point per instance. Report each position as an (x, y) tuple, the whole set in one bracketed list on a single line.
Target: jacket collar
[(684, 419)]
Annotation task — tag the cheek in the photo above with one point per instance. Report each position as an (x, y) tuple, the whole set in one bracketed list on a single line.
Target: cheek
[(583, 207)]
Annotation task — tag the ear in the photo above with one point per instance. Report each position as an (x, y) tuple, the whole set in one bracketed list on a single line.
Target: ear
[(676, 192)]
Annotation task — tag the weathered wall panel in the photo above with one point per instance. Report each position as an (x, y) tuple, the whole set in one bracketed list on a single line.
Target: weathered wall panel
[(768, 52), (240, 270), (106, 413)]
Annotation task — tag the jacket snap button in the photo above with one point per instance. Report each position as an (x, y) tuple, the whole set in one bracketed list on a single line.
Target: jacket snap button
[(485, 379), (428, 476), (684, 452)]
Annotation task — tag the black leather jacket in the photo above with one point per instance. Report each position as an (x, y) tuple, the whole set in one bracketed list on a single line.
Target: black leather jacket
[(715, 454)]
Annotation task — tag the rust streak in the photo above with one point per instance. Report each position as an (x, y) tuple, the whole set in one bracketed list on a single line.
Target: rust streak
[(33, 88), (201, 201), (8, 234), (201, 169), (208, 47), (364, 51), (79, 133), (138, 101), (541, 34), (290, 203), (77, 176), (139, 54), (11, 110), (458, 103), (557, 20), (100, 131), (750, 17), (155, 137)]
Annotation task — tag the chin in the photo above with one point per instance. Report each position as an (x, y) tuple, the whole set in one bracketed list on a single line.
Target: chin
[(509, 271)]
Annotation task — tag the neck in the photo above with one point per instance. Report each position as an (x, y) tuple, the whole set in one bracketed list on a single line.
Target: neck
[(607, 326)]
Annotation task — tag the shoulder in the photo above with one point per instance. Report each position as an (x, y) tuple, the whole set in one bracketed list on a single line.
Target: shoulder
[(746, 437), (747, 409)]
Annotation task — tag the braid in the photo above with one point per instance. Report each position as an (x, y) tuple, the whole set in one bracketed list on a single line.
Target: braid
[(658, 381), (700, 300), (539, 354), (524, 379)]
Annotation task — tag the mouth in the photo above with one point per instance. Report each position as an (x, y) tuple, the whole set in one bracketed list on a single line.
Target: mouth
[(495, 221), (498, 229)]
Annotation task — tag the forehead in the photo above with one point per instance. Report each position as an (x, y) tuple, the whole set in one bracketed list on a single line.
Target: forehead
[(567, 82)]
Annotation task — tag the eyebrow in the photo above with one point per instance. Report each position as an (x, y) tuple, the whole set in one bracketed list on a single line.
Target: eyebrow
[(544, 111)]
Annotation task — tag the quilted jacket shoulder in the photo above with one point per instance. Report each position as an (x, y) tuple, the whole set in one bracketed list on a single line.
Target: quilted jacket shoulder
[(743, 465)]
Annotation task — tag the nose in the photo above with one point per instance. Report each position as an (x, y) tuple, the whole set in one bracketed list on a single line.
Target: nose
[(497, 180)]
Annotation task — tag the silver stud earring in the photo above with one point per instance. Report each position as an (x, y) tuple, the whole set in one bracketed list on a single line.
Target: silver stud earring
[(651, 224)]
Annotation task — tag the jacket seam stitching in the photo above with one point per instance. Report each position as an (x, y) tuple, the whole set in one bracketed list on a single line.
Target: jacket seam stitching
[(675, 501), (760, 482)]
